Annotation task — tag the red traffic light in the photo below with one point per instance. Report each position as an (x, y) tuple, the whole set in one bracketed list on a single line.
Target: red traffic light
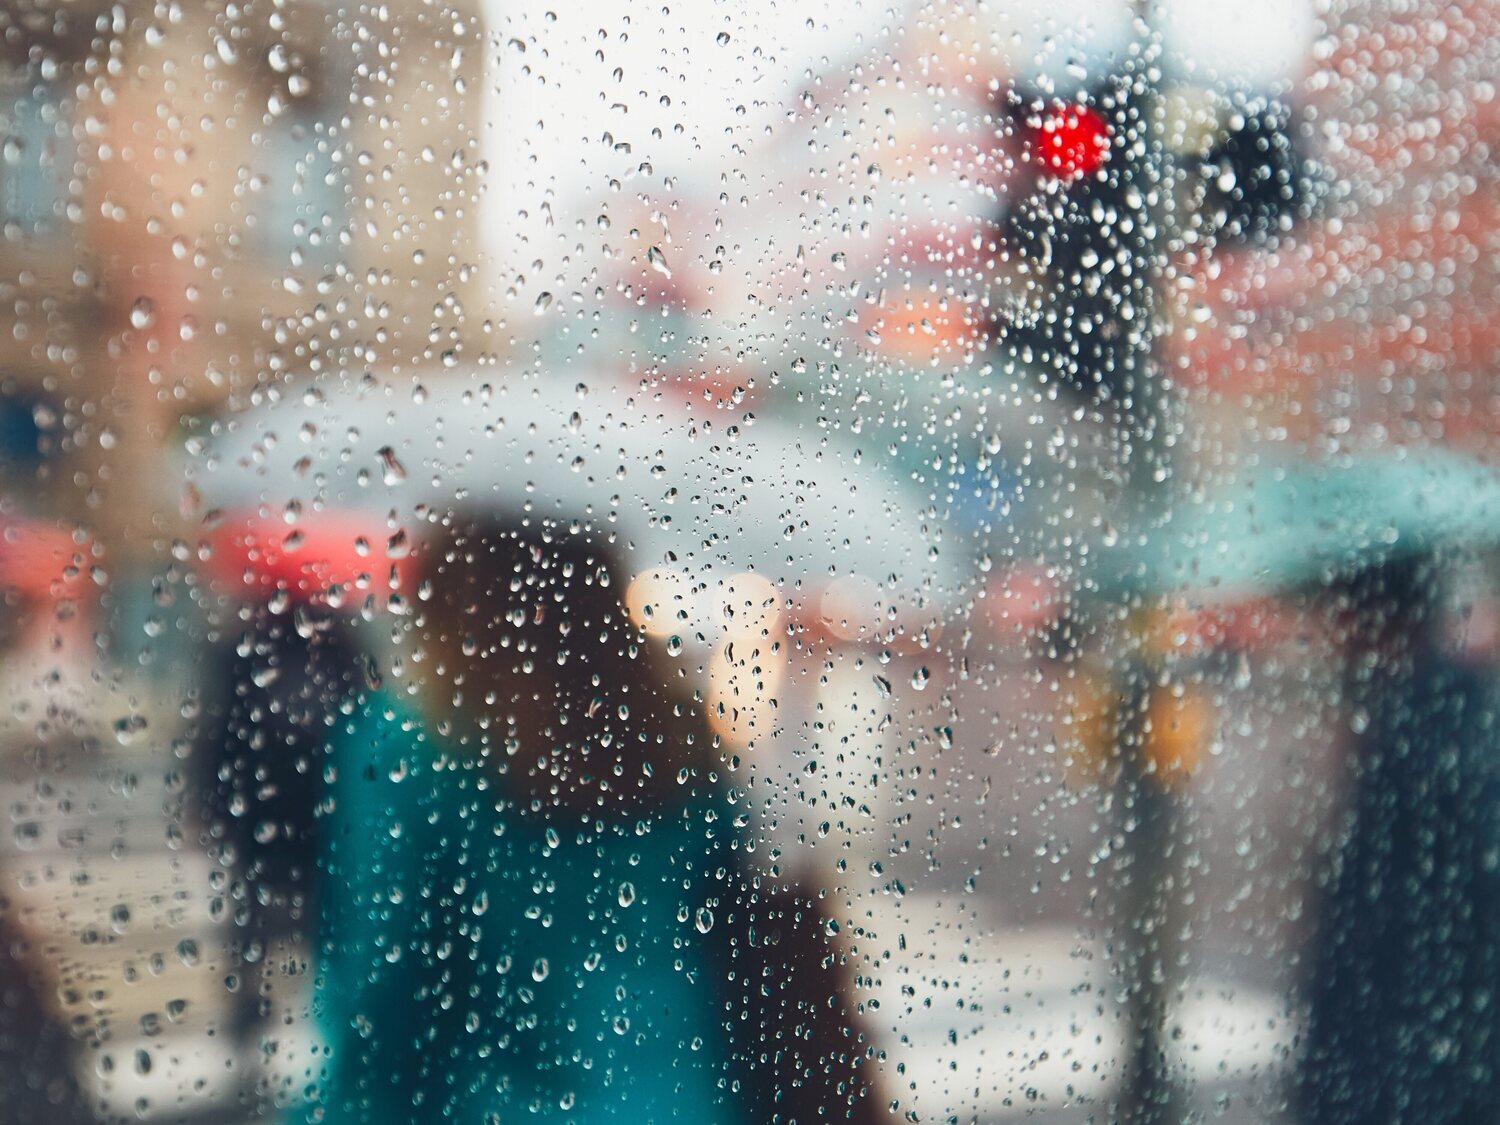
[(1072, 141)]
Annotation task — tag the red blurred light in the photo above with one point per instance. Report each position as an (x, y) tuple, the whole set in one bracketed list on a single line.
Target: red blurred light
[(344, 549), (42, 561), (1073, 141)]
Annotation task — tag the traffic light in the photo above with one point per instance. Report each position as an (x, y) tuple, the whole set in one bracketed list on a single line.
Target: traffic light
[(1257, 182), (1071, 141), (1080, 243), (1087, 244)]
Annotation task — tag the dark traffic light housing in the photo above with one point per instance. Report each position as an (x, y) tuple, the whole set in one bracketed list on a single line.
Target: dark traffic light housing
[(1256, 180), (1084, 243), (1080, 242)]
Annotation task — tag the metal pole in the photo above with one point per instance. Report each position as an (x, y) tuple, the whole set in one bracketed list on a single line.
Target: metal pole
[(1148, 868), (1147, 805)]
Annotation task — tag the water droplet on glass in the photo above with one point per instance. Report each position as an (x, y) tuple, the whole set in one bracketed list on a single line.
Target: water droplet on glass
[(392, 470), (129, 728)]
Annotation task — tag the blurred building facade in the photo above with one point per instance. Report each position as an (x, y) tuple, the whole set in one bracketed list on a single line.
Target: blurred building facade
[(203, 204)]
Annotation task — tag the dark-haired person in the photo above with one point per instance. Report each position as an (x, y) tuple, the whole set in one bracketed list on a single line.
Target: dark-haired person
[(538, 905)]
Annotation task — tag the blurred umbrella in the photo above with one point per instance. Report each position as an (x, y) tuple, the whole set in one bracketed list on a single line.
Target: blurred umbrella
[(708, 492), (1283, 523)]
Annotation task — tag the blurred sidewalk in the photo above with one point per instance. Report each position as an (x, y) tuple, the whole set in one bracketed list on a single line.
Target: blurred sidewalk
[(986, 1024)]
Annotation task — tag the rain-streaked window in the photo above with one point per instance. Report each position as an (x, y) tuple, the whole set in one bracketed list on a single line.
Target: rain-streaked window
[(749, 563)]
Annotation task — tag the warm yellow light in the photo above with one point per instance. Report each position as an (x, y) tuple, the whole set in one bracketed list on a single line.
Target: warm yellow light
[(661, 601), (748, 606), (744, 684)]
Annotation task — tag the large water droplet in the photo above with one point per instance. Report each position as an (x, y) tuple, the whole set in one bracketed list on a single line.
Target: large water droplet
[(393, 471), (129, 728)]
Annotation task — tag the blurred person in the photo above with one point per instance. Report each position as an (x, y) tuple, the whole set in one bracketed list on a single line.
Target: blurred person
[(536, 893), (1404, 1021), (271, 698), (47, 613)]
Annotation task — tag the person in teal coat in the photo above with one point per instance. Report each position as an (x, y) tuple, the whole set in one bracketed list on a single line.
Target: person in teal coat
[(536, 899)]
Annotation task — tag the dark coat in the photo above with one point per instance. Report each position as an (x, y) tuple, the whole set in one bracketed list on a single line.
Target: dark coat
[(1405, 975)]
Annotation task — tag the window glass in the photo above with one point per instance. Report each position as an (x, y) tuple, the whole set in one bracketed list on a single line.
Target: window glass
[(749, 563)]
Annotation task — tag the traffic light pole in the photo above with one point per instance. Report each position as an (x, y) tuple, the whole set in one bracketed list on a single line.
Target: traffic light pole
[(1147, 804), (1148, 871), (1093, 237)]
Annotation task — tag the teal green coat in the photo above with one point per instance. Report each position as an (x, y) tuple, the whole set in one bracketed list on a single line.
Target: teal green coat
[(482, 963)]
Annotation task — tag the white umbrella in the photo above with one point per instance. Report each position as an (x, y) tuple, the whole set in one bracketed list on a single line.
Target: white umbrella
[(709, 492)]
